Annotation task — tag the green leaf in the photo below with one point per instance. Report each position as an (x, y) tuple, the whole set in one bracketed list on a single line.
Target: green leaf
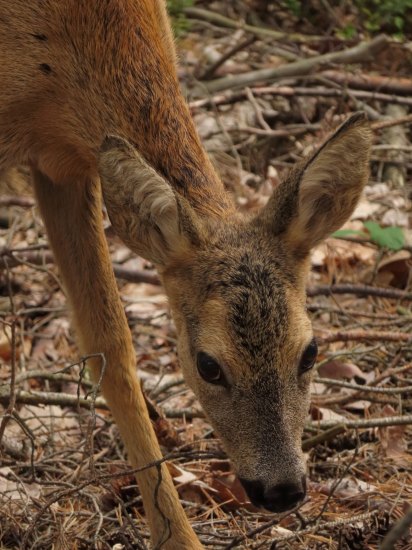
[(385, 237), (347, 32), (342, 233), (398, 22)]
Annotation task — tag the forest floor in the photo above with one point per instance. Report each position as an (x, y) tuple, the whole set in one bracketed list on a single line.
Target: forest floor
[(64, 478)]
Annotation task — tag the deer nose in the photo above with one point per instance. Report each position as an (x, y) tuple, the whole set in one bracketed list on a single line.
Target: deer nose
[(278, 498)]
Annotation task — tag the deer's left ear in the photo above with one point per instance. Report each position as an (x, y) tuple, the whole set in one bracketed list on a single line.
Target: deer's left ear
[(148, 216), (321, 192)]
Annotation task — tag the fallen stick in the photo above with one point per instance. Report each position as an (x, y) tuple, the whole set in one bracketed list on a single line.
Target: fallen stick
[(222, 21), (360, 335), (11, 200), (51, 398), (388, 84), (60, 399), (12, 259), (362, 52), (228, 97), (364, 423), (358, 290), (43, 257), (210, 71), (397, 121), (299, 532), (396, 136), (363, 388), (322, 437)]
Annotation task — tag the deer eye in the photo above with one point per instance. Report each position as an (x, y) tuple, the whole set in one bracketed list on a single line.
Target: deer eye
[(309, 357), (209, 369)]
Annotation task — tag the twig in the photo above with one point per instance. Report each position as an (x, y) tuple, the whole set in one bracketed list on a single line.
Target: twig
[(256, 531), (359, 335), (53, 376), (344, 399), (136, 276), (222, 21), (368, 423), (327, 525), (99, 478), (389, 84), (43, 257), (67, 400), (361, 52), (338, 481), (257, 109), (396, 138), (393, 147), (287, 91), (210, 71), (139, 276), (398, 531), (326, 435), (50, 398), (283, 132), (10, 200), (358, 290), (360, 388), (391, 122)]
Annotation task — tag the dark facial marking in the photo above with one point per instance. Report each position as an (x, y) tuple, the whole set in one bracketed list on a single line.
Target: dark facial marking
[(45, 68), (257, 309), (41, 37)]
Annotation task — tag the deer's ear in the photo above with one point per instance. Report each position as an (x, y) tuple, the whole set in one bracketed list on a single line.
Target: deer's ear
[(321, 192), (147, 215)]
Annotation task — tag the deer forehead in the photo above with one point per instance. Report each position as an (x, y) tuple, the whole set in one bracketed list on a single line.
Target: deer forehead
[(247, 311)]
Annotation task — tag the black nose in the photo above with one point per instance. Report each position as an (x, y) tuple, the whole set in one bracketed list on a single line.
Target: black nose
[(278, 498)]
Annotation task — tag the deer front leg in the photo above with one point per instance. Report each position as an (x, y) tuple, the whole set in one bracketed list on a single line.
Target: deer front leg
[(73, 218)]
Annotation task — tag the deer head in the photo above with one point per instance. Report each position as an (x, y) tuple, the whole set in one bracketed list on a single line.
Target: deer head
[(236, 287)]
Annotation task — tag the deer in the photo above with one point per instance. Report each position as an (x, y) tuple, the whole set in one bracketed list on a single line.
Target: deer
[(90, 100)]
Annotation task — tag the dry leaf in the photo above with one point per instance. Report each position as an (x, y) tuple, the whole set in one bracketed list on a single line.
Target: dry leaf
[(279, 531), (231, 492), (338, 369), (392, 438), (16, 490), (365, 210), (5, 343), (395, 270), (184, 477), (347, 488), (337, 252)]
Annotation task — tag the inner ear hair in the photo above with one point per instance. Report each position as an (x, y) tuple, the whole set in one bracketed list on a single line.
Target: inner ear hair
[(151, 218)]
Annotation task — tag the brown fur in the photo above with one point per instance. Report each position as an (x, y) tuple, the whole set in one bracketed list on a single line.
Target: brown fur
[(74, 72)]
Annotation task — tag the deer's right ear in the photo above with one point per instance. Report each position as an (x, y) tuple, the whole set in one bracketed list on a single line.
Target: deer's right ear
[(321, 192), (147, 215)]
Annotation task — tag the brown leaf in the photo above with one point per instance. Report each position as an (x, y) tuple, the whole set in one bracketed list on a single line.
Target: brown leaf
[(5, 343), (392, 438), (15, 490), (338, 369), (166, 433), (335, 253), (230, 491), (347, 488), (395, 270)]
